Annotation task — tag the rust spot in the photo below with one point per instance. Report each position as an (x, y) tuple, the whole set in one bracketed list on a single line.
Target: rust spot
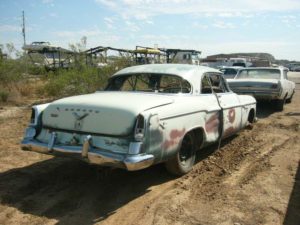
[(212, 124), (229, 131), (231, 115), (175, 136), (176, 133), (168, 143)]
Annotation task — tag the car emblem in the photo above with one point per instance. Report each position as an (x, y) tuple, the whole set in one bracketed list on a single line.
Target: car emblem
[(78, 120)]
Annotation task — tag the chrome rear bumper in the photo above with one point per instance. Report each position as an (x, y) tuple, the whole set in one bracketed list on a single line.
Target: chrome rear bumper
[(89, 154)]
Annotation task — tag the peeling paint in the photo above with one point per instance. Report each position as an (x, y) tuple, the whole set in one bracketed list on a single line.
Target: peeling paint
[(174, 138), (212, 124), (229, 131), (231, 115)]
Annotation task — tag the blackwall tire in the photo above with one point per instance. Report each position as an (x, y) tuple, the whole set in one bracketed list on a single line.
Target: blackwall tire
[(280, 104), (184, 160)]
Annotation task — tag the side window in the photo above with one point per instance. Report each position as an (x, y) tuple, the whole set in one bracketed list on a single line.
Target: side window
[(205, 85), (172, 84), (218, 83)]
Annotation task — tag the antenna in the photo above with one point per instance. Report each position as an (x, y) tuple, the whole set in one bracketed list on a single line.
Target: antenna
[(24, 39), (23, 28)]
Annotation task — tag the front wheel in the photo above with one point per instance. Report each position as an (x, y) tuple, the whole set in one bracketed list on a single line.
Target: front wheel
[(184, 159)]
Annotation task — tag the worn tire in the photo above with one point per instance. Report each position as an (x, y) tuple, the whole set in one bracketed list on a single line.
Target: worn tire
[(184, 159), (279, 104)]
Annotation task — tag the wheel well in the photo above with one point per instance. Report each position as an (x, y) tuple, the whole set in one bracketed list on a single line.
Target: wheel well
[(251, 116), (199, 136)]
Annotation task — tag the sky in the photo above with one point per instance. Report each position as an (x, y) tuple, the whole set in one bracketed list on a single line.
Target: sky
[(210, 26)]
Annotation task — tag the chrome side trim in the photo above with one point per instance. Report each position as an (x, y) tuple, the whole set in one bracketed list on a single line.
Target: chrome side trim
[(187, 114)]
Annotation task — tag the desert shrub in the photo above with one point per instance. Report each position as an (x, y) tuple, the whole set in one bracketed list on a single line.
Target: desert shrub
[(10, 71), (36, 70), (4, 95), (25, 88), (74, 81), (79, 79)]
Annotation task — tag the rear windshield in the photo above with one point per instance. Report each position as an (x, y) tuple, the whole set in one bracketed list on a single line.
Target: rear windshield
[(259, 74), (162, 83), (229, 71)]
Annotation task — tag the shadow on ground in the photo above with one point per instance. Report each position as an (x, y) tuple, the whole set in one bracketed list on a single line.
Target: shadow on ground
[(264, 109), (74, 192), (292, 216)]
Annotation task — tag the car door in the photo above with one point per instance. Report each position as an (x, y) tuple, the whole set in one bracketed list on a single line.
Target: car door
[(230, 104)]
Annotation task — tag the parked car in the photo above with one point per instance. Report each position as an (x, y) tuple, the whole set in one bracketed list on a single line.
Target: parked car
[(264, 84), (146, 115), (294, 66), (296, 69), (230, 72)]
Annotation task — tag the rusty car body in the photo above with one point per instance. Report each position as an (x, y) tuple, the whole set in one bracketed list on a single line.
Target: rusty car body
[(147, 115)]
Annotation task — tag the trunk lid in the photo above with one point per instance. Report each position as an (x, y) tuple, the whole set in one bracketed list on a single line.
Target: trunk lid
[(253, 84), (107, 113)]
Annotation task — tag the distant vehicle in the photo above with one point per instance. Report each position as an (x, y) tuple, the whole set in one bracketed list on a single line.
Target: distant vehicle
[(38, 46), (264, 84), (239, 62), (148, 114), (294, 66), (186, 57), (54, 56), (230, 71)]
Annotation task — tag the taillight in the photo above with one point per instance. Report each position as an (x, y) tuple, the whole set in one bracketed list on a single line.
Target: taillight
[(139, 128)]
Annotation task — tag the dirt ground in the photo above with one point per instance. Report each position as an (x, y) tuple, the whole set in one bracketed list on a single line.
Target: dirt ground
[(252, 179)]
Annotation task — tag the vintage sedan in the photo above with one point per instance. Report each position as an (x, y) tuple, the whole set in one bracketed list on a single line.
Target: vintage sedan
[(264, 83), (147, 114)]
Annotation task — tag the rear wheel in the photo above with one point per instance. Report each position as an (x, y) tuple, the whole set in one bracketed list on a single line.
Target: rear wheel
[(184, 160), (279, 104)]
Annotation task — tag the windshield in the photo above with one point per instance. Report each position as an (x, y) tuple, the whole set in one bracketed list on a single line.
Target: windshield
[(149, 83), (259, 74)]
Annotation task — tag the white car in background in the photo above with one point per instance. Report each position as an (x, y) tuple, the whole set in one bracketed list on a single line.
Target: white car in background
[(264, 83)]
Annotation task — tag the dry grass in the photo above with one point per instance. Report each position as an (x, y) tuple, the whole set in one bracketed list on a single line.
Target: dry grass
[(22, 92)]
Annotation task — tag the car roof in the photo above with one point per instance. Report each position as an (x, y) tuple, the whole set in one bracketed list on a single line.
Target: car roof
[(185, 71)]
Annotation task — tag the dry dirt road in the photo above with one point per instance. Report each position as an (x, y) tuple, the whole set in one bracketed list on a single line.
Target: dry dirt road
[(252, 179)]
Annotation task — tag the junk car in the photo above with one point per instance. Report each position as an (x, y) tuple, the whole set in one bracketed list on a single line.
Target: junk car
[(149, 114)]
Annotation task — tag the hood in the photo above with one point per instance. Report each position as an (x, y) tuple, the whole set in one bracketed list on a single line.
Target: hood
[(109, 113)]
